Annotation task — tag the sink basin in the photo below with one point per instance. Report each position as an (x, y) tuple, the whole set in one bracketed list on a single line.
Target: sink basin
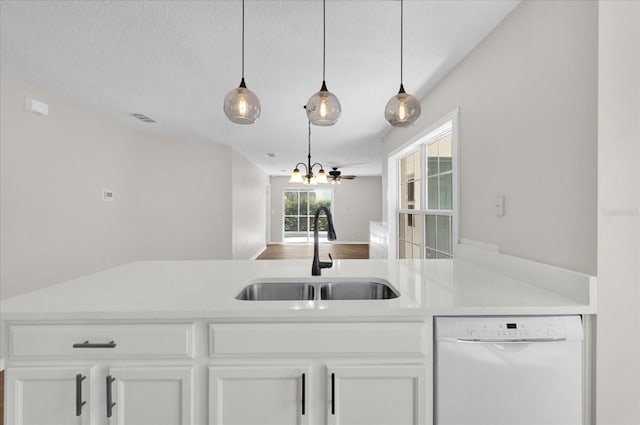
[(357, 291), (338, 290), (277, 291)]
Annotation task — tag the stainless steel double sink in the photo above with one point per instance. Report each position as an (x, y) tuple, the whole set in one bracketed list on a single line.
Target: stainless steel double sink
[(321, 291)]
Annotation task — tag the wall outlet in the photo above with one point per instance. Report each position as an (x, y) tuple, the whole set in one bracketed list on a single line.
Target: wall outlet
[(499, 204), (107, 195)]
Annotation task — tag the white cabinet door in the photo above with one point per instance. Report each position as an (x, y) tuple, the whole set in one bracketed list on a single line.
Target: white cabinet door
[(376, 395), (258, 395), (49, 395), (160, 395)]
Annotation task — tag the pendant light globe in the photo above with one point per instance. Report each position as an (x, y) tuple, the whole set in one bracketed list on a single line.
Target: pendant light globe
[(323, 108), (241, 105), (402, 110)]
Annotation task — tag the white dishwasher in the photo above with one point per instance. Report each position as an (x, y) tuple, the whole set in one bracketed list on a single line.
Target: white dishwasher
[(508, 370)]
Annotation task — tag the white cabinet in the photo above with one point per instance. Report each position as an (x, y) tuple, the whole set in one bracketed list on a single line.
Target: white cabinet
[(258, 395), (64, 395), (352, 373), (317, 393), (152, 395), (110, 387), (49, 395), (216, 373), (377, 395)]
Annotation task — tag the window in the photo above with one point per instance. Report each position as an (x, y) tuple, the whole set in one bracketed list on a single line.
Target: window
[(299, 207), (439, 208), (409, 225), (424, 214)]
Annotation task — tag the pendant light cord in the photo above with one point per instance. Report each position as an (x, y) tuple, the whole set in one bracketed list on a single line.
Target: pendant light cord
[(243, 39), (324, 39), (401, 37)]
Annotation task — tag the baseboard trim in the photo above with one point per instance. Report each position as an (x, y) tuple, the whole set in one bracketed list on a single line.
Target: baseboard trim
[(254, 256)]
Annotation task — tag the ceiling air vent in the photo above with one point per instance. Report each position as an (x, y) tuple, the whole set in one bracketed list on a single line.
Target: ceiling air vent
[(143, 117)]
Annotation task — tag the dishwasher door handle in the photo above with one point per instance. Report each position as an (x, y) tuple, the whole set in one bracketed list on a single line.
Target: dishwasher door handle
[(509, 340)]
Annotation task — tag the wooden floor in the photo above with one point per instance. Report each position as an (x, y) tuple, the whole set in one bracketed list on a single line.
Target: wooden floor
[(305, 251)]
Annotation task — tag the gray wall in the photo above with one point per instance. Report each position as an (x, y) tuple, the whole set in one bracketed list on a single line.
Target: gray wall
[(618, 378), (356, 202), (170, 201), (528, 118)]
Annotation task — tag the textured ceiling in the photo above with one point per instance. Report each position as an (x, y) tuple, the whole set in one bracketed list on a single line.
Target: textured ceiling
[(175, 60)]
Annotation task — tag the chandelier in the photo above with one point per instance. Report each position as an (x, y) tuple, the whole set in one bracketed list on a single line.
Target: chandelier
[(309, 177)]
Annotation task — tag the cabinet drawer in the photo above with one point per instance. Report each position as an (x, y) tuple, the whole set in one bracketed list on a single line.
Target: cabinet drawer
[(316, 338), (97, 341)]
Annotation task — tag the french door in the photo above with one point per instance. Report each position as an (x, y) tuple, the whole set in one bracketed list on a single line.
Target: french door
[(299, 206)]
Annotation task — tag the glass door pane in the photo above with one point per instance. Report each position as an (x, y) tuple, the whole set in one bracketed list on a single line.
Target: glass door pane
[(299, 207)]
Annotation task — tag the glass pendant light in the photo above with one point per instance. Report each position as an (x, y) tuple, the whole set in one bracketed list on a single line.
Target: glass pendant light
[(241, 105), (323, 108), (403, 109)]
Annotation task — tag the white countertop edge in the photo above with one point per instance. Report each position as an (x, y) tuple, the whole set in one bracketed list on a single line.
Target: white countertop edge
[(308, 316)]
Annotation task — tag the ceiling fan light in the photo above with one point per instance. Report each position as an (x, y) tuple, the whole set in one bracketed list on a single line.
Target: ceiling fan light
[(323, 108), (241, 105), (296, 176), (402, 110)]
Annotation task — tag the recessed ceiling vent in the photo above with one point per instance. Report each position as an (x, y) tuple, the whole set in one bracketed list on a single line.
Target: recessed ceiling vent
[(143, 118), (271, 155)]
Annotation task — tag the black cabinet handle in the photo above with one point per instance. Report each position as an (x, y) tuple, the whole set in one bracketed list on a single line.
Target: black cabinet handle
[(87, 344), (303, 394), (333, 393), (110, 402), (79, 402)]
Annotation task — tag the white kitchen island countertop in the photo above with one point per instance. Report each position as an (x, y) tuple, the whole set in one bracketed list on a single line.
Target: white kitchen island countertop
[(207, 289)]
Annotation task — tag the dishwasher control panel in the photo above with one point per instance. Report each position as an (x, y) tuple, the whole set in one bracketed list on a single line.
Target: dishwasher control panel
[(510, 328)]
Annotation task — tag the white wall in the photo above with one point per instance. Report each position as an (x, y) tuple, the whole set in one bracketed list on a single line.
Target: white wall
[(53, 223), (172, 200), (528, 115), (618, 326), (356, 202), (249, 200), (184, 199)]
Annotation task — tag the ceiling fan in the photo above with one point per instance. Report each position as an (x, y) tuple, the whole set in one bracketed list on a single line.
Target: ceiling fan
[(335, 176)]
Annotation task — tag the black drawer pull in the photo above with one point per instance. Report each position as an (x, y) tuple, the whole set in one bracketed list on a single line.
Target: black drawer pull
[(333, 393), (87, 344), (79, 402), (110, 402), (303, 394)]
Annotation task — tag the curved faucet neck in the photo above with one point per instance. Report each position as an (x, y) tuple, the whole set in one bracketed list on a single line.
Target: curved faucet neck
[(331, 235)]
